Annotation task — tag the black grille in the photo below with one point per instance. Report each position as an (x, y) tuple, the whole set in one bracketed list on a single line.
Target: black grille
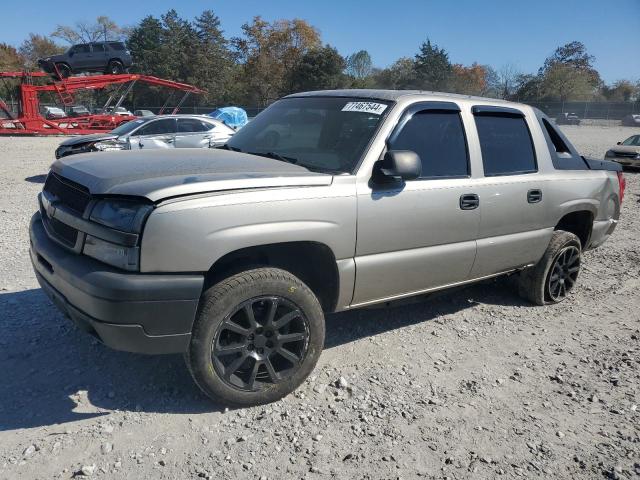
[(70, 194), (64, 232), (626, 154)]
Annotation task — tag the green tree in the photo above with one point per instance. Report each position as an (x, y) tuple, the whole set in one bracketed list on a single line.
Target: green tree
[(564, 83), (398, 76), (621, 91), (38, 46), (268, 53), (528, 87), (432, 67), (319, 69), (216, 67), (10, 58), (572, 63), (359, 64)]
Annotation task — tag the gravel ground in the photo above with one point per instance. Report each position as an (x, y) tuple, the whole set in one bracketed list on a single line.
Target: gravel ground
[(474, 383)]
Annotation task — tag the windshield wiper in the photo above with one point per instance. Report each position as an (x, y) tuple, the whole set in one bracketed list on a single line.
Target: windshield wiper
[(227, 147), (275, 156)]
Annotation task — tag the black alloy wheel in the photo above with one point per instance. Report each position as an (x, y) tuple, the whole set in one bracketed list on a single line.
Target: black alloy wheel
[(262, 342), (564, 273)]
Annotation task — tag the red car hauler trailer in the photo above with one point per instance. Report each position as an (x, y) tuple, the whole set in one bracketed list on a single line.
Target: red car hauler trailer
[(29, 120)]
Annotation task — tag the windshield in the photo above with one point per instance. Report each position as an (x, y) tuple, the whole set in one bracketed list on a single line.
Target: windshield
[(632, 141), (128, 127), (319, 133)]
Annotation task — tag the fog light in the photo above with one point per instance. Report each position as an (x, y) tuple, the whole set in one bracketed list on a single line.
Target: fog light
[(113, 254)]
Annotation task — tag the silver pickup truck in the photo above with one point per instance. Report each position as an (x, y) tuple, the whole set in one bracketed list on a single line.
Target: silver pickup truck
[(327, 201)]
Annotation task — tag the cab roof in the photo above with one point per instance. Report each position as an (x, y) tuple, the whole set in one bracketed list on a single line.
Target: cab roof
[(394, 95)]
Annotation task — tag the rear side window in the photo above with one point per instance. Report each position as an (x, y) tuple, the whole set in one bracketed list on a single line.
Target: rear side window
[(190, 125), (98, 47), (437, 136), (158, 127), (506, 144), (117, 45), (556, 140)]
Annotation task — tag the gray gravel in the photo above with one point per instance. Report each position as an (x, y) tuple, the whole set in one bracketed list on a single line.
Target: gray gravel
[(473, 383)]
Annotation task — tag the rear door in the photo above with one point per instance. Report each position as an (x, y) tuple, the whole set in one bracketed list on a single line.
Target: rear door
[(159, 133), (98, 56), (193, 133), (512, 193), (420, 234)]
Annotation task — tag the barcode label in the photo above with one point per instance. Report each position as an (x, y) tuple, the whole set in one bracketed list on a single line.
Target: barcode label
[(365, 107)]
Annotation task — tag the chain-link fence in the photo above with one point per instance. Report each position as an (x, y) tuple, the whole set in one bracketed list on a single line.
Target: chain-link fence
[(602, 113)]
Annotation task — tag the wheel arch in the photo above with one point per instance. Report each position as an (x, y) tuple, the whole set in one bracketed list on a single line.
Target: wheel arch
[(312, 262), (579, 222)]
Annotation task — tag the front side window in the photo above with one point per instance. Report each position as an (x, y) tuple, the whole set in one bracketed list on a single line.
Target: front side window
[(83, 48), (117, 45), (439, 140), (159, 127), (506, 144), (191, 125), (327, 134)]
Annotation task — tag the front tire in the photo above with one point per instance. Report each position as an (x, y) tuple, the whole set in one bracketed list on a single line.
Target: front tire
[(555, 275), (257, 336)]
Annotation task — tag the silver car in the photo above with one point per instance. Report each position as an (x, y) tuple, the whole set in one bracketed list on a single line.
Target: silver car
[(165, 131), (626, 153)]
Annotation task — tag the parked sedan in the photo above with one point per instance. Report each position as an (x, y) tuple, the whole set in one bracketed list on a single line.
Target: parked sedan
[(631, 120), (626, 153), (568, 119), (166, 131), (53, 112)]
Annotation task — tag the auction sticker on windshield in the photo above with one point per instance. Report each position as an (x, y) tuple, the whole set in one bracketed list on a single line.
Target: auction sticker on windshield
[(365, 107)]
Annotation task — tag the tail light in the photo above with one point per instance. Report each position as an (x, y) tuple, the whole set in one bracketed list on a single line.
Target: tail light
[(622, 183)]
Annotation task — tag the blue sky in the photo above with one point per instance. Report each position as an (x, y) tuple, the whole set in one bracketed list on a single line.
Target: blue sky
[(493, 32)]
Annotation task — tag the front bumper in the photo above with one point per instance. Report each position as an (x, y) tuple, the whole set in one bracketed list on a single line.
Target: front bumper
[(142, 313)]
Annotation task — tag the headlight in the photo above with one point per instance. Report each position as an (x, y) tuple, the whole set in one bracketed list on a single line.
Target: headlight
[(113, 254), (609, 154), (125, 215), (109, 145)]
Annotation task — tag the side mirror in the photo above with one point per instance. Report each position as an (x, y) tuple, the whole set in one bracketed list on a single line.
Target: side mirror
[(399, 165), (619, 143)]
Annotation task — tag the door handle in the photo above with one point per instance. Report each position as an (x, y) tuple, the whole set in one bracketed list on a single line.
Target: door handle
[(534, 196), (469, 201)]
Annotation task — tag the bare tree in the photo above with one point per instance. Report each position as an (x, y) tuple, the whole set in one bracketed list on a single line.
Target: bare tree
[(507, 80), (84, 32)]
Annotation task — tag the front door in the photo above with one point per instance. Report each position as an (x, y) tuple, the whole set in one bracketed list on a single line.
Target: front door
[(420, 234), (81, 57), (155, 134)]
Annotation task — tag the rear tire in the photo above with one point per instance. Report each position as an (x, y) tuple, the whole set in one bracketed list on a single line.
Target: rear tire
[(554, 276), (257, 336), (115, 67)]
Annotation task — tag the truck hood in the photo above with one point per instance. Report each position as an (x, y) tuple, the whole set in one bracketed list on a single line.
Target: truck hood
[(159, 174), (94, 137)]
